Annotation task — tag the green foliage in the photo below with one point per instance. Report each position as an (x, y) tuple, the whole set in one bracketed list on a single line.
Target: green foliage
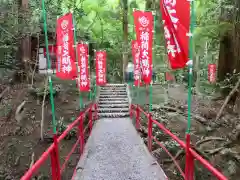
[(100, 23), (62, 126)]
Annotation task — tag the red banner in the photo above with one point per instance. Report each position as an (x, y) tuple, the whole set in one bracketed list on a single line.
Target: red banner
[(212, 68), (101, 68), (169, 76), (136, 62), (84, 81), (66, 68), (51, 48), (52, 51), (176, 21), (144, 31)]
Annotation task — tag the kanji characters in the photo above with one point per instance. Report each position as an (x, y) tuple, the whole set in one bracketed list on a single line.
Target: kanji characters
[(144, 36), (101, 67), (172, 43), (171, 2), (171, 49), (66, 59), (144, 30), (167, 33), (171, 9), (176, 20), (83, 65), (212, 73), (66, 68)]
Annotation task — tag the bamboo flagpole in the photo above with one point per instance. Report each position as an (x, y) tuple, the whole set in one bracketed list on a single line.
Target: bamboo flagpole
[(78, 68), (95, 70), (190, 62), (89, 71), (151, 84), (54, 123), (55, 162), (189, 161)]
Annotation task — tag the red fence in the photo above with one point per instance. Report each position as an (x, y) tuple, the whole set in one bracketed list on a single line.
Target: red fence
[(191, 155), (52, 151)]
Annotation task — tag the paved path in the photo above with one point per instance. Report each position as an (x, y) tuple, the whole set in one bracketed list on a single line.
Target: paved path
[(115, 151)]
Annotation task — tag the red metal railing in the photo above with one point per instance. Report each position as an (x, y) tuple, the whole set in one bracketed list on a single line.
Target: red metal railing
[(191, 155), (52, 151)]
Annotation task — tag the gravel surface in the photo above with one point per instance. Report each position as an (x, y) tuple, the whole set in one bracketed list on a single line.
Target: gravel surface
[(115, 151)]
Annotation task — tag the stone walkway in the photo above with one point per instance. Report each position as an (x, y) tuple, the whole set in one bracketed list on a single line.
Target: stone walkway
[(115, 151)]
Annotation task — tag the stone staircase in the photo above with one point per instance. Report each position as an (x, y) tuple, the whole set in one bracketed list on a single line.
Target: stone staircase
[(113, 101)]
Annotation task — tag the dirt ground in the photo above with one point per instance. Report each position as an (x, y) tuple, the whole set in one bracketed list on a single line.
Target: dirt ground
[(223, 147), (18, 142)]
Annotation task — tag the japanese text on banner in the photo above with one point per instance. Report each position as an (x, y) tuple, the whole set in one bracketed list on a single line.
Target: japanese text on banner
[(66, 68), (176, 20), (83, 81), (212, 73), (144, 31), (101, 68), (136, 62)]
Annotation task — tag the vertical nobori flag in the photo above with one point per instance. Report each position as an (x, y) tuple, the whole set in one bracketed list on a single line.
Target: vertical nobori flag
[(66, 68), (101, 68), (176, 21), (212, 68), (144, 32), (136, 62), (169, 76), (52, 49), (84, 81)]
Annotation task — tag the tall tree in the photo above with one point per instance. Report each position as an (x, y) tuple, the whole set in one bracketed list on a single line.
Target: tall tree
[(229, 54), (26, 41), (125, 35)]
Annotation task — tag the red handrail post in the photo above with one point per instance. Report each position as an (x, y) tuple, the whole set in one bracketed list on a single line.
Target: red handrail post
[(90, 118), (95, 107), (130, 111), (150, 124), (81, 135), (137, 118), (55, 163), (189, 162)]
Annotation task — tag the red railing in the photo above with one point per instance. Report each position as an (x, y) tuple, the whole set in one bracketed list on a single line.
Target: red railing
[(52, 151), (191, 155)]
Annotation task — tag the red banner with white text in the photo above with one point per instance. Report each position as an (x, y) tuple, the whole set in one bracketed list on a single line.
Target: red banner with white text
[(53, 52), (66, 68), (143, 22), (136, 63), (212, 68), (176, 21), (101, 68), (84, 81)]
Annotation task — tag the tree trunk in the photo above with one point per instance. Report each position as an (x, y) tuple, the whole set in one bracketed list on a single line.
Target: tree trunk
[(26, 41), (197, 84), (125, 36), (149, 4), (229, 54)]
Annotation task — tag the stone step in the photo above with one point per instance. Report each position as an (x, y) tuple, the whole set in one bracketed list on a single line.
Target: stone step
[(113, 105), (113, 96), (114, 88), (113, 93), (120, 110), (112, 102), (113, 99), (115, 85), (113, 115)]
